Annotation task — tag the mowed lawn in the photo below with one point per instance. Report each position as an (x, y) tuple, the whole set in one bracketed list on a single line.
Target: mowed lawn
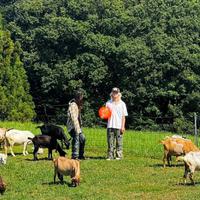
[(139, 175)]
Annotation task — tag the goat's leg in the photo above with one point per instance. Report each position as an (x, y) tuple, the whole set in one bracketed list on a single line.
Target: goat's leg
[(35, 152), (191, 174), (5, 148), (28, 142), (185, 174), (11, 150), (50, 154), (60, 176), (164, 158), (169, 158), (24, 149), (55, 173)]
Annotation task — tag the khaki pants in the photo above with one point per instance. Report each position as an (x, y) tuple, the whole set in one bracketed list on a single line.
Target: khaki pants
[(114, 136)]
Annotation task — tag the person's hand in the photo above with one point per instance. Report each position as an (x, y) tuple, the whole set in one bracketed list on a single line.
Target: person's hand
[(122, 131)]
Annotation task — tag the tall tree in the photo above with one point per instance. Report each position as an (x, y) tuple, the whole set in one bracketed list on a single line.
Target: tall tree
[(16, 103)]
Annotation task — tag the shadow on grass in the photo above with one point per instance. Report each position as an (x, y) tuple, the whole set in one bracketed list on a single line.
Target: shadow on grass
[(96, 158), (87, 158), (31, 159), (161, 165), (58, 183), (188, 184), (9, 154)]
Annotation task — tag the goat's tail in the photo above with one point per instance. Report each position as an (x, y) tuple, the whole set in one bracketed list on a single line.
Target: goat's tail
[(162, 142), (55, 162)]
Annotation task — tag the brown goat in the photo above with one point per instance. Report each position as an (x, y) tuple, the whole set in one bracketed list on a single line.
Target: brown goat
[(2, 186), (67, 167), (176, 147)]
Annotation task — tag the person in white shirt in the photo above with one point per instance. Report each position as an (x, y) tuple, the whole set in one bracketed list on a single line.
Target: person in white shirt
[(116, 124)]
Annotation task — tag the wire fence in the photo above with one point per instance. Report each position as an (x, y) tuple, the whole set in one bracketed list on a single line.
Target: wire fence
[(50, 113)]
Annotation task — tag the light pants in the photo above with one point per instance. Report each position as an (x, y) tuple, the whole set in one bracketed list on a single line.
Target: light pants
[(114, 135)]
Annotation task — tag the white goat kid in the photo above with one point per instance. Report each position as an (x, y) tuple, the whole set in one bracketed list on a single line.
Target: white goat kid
[(19, 137), (3, 158)]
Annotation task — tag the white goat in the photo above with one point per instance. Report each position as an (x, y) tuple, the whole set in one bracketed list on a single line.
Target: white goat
[(192, 164), (14, 136)]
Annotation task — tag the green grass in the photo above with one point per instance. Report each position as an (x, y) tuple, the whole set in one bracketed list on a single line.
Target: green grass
[(139, 175)]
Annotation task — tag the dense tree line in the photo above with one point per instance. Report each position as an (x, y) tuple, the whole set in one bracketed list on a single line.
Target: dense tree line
[(149, 49)]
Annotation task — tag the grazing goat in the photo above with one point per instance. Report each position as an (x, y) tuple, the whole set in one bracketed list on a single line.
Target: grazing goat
[(67, 167), (14, 136), (55, 132), (192, 164), (176, 146), (2, 134), (45, 141), (2, 186), (3, 158)]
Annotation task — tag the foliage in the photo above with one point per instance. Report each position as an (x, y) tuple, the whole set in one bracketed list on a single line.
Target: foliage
[(16, 103), (149, 49)]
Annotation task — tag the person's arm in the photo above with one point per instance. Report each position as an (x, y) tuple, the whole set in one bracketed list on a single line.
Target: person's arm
[(74, 116), (123, 124), (125, 113)]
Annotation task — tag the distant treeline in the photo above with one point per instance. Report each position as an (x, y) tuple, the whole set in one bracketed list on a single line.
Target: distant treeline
[(148, 48)]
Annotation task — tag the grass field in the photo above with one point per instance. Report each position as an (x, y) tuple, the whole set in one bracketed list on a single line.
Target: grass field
[(139, 175)]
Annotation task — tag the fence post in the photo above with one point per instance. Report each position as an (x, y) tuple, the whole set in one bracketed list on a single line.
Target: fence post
[(195, 129)]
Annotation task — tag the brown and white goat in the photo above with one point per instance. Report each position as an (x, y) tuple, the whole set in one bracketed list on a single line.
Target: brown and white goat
[(67, 167), (176, 146)]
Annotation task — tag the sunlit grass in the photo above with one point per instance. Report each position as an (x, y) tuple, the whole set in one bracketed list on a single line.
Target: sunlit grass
[(139, 175)]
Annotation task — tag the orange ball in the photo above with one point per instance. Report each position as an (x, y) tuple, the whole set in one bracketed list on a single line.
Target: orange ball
[(104, 112)]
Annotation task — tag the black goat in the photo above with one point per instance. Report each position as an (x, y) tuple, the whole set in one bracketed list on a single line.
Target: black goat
[(45, 141), (55, 132)]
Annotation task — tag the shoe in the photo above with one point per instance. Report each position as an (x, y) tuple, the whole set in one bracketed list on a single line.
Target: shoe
[(74, 158), (81, 158), (109, 159), (118, 158)]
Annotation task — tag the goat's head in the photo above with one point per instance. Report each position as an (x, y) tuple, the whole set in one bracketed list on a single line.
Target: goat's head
[(67, 143), (75, 181), (2, 186)]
